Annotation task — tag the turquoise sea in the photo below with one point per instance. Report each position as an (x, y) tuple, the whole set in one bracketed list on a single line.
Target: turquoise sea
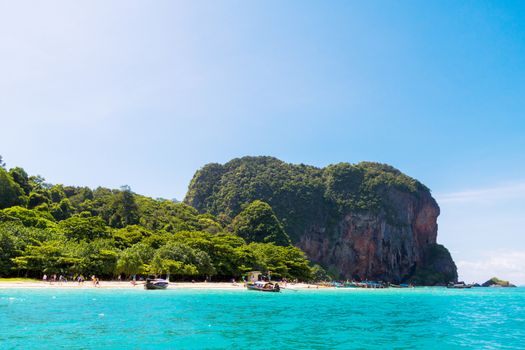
[(424, 318)]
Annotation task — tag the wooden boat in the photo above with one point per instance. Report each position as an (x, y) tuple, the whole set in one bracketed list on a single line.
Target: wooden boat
[(402, 285), (370, 284), (460, 285), (262, 286), (365, 284), (156, 283)]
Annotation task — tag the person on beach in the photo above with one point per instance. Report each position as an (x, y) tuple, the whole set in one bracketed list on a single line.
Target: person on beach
[(44, 278)]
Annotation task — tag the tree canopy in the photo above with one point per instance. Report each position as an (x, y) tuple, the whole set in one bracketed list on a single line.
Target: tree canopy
[(300, 195), (240, 216), (258, 223), (10, 192), (72, 230)]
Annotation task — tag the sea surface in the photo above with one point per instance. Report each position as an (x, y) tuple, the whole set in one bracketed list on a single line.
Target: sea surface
[(423, 318)]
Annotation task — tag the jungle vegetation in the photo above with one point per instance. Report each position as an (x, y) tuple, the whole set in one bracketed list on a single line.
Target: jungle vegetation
[(300, 195), (46, 228)]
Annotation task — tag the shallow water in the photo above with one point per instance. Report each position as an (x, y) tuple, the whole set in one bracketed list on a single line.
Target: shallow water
[(429, 318)]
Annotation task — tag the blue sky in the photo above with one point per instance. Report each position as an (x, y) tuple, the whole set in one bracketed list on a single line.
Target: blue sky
[(137, 93)]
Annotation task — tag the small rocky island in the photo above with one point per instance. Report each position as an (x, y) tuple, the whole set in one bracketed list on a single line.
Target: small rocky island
[(496, 282)]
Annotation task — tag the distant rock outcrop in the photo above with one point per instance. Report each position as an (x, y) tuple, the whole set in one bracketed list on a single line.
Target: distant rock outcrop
[(361, 221), (496, 282)]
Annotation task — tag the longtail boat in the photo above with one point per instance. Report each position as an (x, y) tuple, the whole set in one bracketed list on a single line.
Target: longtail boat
[(460, 285), (156, 283), (262, 286)]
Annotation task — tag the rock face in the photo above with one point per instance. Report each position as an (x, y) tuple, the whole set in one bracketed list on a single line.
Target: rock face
[(364, 221), (368, 245)]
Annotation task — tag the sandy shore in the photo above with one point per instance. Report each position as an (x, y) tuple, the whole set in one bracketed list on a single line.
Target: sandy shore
[(128, 285)]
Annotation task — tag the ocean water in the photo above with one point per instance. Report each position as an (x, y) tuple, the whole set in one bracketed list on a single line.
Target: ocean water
[(423, 318)]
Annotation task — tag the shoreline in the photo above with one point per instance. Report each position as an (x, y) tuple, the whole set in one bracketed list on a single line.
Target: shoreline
[(127, 285)]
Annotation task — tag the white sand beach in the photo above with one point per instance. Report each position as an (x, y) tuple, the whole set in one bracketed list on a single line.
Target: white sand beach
[(139, 285)]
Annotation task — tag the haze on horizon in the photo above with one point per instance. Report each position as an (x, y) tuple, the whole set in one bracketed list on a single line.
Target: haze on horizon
[(107, 94)]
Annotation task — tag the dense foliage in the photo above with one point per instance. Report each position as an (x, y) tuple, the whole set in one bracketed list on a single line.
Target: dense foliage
[(311, 204), (240, 216), (70, 230), (299, 194), (258, 223)]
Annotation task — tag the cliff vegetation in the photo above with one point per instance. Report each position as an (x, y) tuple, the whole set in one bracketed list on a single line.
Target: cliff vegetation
[(362, 221)]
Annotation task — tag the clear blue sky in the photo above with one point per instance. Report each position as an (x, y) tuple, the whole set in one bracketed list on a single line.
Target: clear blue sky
[(131, 92)]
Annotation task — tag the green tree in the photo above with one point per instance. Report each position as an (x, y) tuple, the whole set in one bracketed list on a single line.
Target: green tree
[(130, 235), (7, 251), (37, 183), (319, 274), (124, 208), (182, 260), (84, 228), (62, 210), (20, 176), (97, 257), (289, 261), (56, 193), (30, 217), (133, 260), (258, 223), (79, 195), (36, 199), (47, 257), (129, 263), (10, 192)]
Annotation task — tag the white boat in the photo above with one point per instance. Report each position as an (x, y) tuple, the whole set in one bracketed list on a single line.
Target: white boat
[(262, 286)]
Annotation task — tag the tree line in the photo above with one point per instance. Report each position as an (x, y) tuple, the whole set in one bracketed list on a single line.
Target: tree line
[(70, 230)]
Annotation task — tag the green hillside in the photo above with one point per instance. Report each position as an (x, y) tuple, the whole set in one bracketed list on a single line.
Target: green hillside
[(69, 230)]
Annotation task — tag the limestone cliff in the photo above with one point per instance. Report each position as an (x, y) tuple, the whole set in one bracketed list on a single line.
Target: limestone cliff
[(367, 244), (364, 221)]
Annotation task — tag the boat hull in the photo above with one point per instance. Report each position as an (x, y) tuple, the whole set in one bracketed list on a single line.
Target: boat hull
[(254, 287), (153, 285), (459, 286)]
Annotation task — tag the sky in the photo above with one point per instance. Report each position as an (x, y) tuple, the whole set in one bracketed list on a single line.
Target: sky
[(143, 94)]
